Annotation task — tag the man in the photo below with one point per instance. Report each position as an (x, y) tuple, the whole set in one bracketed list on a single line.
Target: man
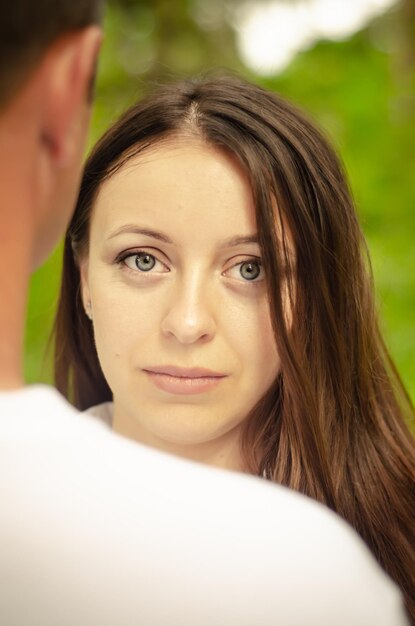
[(94, 529)]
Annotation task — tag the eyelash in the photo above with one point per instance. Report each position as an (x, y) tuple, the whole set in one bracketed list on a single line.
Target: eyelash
[(121, 260)]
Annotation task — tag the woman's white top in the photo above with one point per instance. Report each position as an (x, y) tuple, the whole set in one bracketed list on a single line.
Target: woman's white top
[(103, 412)]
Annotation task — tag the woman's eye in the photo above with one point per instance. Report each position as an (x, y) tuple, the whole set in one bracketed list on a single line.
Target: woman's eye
[(143, 262), (248, 271)]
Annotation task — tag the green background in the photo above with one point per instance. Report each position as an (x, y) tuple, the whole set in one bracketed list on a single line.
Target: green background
[(360, 91)]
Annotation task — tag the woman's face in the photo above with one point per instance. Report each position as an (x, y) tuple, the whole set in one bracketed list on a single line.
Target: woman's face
[(178, 296)]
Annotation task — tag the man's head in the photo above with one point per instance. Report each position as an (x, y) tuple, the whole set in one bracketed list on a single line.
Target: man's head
[(28, 28), (48, 52)]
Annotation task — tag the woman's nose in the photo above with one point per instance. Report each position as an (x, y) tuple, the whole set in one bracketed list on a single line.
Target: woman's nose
[(189, 317)]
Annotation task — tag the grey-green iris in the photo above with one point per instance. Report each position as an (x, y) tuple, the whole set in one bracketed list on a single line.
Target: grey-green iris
[(250, 270), (145, 262)]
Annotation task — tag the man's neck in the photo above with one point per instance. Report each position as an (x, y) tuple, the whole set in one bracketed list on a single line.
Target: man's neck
[(15, 260), (14, 278)]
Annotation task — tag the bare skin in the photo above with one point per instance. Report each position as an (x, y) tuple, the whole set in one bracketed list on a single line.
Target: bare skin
[(186, 344)]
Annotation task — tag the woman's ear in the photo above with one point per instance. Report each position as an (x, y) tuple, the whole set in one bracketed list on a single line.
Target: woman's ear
[(85, 291)]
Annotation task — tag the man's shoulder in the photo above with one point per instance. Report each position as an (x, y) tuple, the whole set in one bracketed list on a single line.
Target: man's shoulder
[(33, 401), (266, 554), (37, 420), (39, 413)]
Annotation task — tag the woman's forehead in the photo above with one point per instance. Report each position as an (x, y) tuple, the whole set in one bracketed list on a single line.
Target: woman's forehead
[(178, 181)]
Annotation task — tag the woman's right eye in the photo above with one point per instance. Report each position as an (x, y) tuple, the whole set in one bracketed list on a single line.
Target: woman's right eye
[(143, 262)]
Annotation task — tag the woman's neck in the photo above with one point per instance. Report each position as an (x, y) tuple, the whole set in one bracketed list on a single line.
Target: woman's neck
[(223, 451)]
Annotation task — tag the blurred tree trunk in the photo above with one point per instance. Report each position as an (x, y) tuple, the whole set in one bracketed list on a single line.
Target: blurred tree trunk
[(182, 44), (408, 20), (405, 58)]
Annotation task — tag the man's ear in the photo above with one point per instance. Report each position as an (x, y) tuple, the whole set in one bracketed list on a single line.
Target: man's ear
[(70, 68)]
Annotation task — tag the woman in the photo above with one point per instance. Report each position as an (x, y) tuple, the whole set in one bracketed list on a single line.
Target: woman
[(229, 307)]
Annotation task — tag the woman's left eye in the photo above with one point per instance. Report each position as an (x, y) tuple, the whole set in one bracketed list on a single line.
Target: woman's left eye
[(143, 262), (248, 271)]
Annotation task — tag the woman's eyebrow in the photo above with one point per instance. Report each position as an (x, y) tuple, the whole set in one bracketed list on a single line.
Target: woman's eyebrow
[(231, 242), (239, 240), (137, 230)]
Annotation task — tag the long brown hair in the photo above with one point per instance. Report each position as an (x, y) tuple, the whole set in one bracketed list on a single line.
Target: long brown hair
[(333, 425)]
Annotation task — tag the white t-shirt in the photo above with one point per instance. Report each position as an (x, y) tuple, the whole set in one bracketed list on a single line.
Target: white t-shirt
[(96, 530)]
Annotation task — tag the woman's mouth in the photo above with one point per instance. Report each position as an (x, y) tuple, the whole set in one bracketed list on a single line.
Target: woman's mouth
[(184, 381)]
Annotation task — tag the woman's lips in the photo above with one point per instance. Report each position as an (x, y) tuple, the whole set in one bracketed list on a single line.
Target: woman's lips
[(184, 381)]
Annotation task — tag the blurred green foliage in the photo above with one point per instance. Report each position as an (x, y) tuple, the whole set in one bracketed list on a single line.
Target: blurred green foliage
[(360, 91)]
